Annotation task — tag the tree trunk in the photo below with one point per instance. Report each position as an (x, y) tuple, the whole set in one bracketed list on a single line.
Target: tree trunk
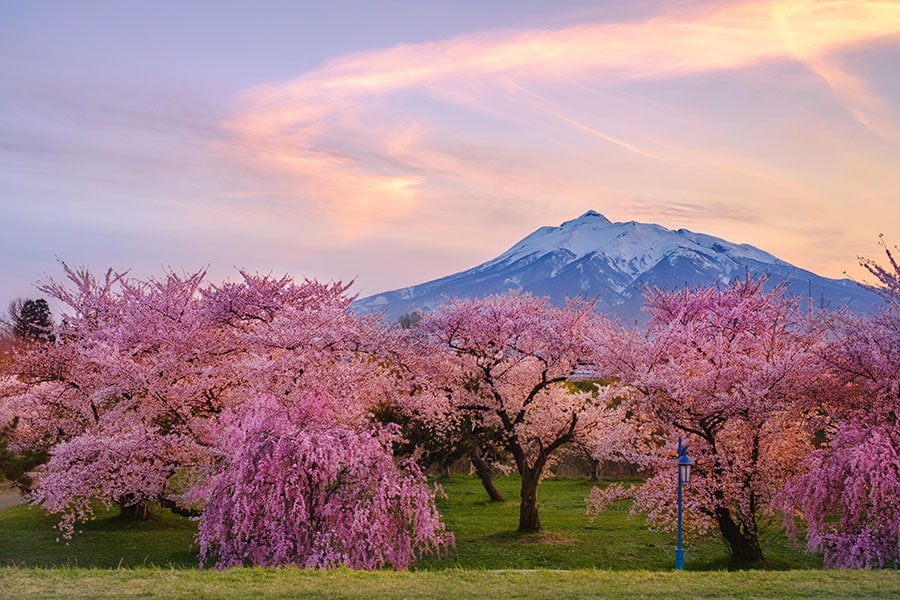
[(528, 509), (484, 472), (594, 468), (744, 543), (134, 511), (179, 510)]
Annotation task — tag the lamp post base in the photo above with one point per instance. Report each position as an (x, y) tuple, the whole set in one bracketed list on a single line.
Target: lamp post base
[(679, 559)]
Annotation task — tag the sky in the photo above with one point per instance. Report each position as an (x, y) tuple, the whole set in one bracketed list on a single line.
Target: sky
[(393, 142)]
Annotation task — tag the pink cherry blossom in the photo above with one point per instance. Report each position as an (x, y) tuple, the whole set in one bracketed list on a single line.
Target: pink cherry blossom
[(153, 381), (502, 362), (848, 495), (731, 370), (301, 489)]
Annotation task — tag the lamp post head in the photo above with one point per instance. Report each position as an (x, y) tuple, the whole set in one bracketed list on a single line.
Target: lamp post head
[(684, 467), (684, 462)]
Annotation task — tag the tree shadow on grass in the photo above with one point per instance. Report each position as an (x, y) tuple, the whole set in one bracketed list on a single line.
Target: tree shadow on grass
[(28, 539)]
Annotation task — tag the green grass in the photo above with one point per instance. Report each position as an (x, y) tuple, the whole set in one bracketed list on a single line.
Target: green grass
[(28, 539), (574, 557), (446, 585), (486, 536)]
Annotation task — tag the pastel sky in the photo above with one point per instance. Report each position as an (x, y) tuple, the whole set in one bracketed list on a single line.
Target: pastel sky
[(395, 142)]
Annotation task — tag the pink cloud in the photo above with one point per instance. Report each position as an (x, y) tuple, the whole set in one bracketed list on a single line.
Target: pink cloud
[(368, 138)]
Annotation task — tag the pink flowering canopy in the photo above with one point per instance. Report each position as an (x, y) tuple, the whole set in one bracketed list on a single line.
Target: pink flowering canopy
[(848, 495), (125, 399), (504, 361), (729, 369), (301, 489), (90, 468), (133, 400), (848, 499)]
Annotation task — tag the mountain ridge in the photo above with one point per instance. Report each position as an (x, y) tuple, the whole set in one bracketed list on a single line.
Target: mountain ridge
[(613, 263)]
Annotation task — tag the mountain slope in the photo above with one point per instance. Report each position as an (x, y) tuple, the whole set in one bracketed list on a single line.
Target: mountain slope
[(613, 263)]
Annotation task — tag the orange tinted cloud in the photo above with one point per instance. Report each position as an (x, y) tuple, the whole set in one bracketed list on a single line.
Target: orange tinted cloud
[(364, 136)]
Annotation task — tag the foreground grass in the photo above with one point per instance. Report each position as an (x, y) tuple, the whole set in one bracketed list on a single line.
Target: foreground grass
[(448, 584), (485, 537), (574, 557), (28, 539)]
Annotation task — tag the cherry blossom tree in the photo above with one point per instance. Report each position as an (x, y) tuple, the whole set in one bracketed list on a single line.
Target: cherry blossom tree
[(292, 337), (502, 362), (732, 370), (439, 447), (132, 392), (127, 388), (127, 468), (301, 488), (249, 400), (848, 496)]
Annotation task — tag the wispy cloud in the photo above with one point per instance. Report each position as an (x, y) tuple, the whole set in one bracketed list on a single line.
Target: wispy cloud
[(812, 29), (684, 210), (366, 136)]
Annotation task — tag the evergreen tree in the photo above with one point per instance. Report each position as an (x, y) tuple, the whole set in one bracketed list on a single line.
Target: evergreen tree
[(30, 320)]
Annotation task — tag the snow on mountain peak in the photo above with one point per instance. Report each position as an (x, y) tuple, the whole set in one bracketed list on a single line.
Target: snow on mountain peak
[(631, 247), (614, 263), (591, 215), (579, 236)]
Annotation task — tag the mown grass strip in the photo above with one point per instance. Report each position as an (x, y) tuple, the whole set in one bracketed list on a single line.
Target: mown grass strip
[(574, 557), (17, 583), (485, 534)]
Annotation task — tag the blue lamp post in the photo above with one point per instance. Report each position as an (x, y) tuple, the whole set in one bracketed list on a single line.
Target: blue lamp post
[(684, 476)]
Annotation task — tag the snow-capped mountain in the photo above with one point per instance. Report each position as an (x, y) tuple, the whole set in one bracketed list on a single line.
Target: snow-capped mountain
[(593, 258)]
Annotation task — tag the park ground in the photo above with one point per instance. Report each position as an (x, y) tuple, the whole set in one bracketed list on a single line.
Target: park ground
[(612, 556)]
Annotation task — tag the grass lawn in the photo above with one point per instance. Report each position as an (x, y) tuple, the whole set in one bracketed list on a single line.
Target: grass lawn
[(611, 557), (28, 538), (447, 584), (486, 536)]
